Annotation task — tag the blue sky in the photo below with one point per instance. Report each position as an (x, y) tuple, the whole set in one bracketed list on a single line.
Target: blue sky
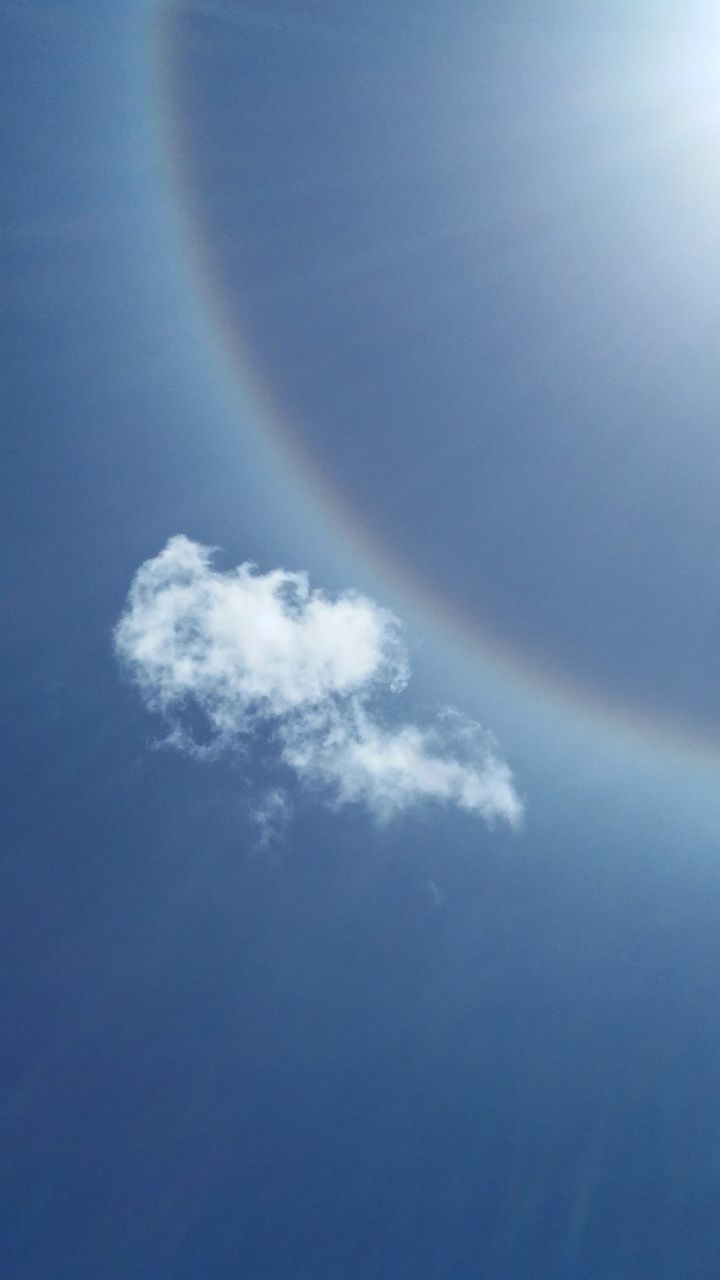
[(522, 207), (359, 910)]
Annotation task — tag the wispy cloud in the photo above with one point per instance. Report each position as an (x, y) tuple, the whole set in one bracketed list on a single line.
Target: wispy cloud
[(232, 658), (270, 817)]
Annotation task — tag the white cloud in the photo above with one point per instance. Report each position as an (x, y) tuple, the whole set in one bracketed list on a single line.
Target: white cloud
[(247, 646), (264, 654), (358, 759)]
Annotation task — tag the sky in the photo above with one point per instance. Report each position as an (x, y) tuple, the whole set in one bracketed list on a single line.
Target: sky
[(359, 873)]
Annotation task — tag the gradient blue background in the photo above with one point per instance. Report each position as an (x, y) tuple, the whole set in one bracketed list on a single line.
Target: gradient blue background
[(303, 1065)]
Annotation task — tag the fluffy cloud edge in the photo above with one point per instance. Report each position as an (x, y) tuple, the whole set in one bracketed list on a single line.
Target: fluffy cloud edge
[(264, 654), (358, 760)]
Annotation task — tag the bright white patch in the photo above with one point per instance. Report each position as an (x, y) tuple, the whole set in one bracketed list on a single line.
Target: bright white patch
[(360, 760), (244, 645), (255, 652)]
